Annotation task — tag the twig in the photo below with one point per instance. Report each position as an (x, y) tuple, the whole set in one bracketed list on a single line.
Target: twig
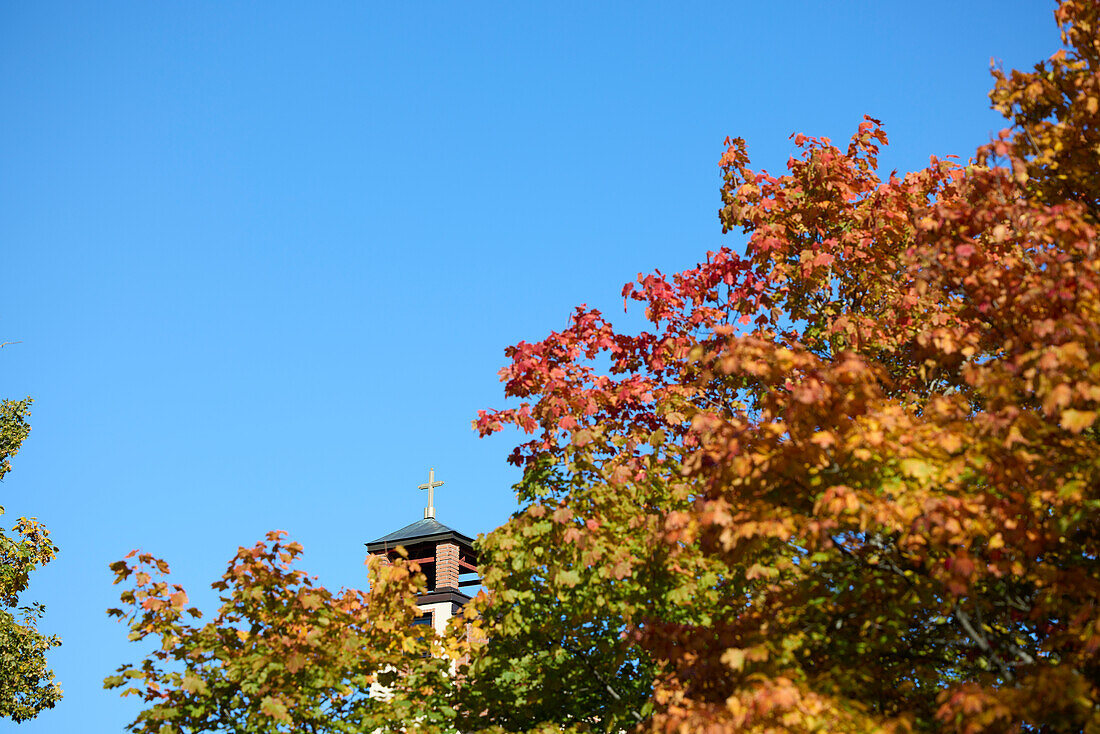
[(983, 643), (600, 678)]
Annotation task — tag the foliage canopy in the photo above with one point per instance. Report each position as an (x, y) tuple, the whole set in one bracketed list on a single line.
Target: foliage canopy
[(847, 480), (27, 685), (875, 430)]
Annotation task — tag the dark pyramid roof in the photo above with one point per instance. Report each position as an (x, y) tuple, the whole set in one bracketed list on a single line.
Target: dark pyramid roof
[(422, 531)]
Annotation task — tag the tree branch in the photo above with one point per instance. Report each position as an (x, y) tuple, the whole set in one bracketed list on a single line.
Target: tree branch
[(614, 694), (983, 643)]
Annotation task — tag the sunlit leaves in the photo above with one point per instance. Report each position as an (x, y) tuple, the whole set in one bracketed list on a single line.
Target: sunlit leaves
[(869, 440), (281, 653), (844, 480), (27, 685)]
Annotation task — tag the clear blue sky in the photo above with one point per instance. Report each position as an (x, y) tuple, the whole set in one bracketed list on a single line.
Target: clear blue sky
[(263, 258)]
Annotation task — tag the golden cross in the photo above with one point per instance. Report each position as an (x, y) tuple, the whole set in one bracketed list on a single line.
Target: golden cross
[(429, 511)]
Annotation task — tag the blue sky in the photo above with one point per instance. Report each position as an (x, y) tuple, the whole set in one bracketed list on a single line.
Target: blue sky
[(263, 259)]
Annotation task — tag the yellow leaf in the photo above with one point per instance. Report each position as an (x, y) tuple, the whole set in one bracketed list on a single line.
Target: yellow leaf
[(734, 658), (917, 468), (1060, 395), (951, 443), (759, 570), (1076, 421)]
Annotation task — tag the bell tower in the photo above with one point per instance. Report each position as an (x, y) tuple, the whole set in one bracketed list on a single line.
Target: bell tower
[(445, 556)]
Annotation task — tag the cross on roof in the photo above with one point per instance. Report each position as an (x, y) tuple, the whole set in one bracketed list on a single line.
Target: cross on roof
[(429, 511)]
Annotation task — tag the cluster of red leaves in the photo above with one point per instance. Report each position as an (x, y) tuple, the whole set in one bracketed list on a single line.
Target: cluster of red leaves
[(886, 411)]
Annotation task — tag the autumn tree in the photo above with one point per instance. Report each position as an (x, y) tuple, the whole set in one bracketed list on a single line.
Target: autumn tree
[(847, 481), (282, 653), (27, 685), (559, 604), (866, 446)]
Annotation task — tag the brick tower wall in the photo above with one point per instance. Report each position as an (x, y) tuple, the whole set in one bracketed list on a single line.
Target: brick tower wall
[(446, 565)]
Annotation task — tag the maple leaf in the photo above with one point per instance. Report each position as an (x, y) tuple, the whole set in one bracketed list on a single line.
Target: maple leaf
[(1077, 420)]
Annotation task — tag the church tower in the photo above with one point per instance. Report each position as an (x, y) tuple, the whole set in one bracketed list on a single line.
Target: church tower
[(445, 556)]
